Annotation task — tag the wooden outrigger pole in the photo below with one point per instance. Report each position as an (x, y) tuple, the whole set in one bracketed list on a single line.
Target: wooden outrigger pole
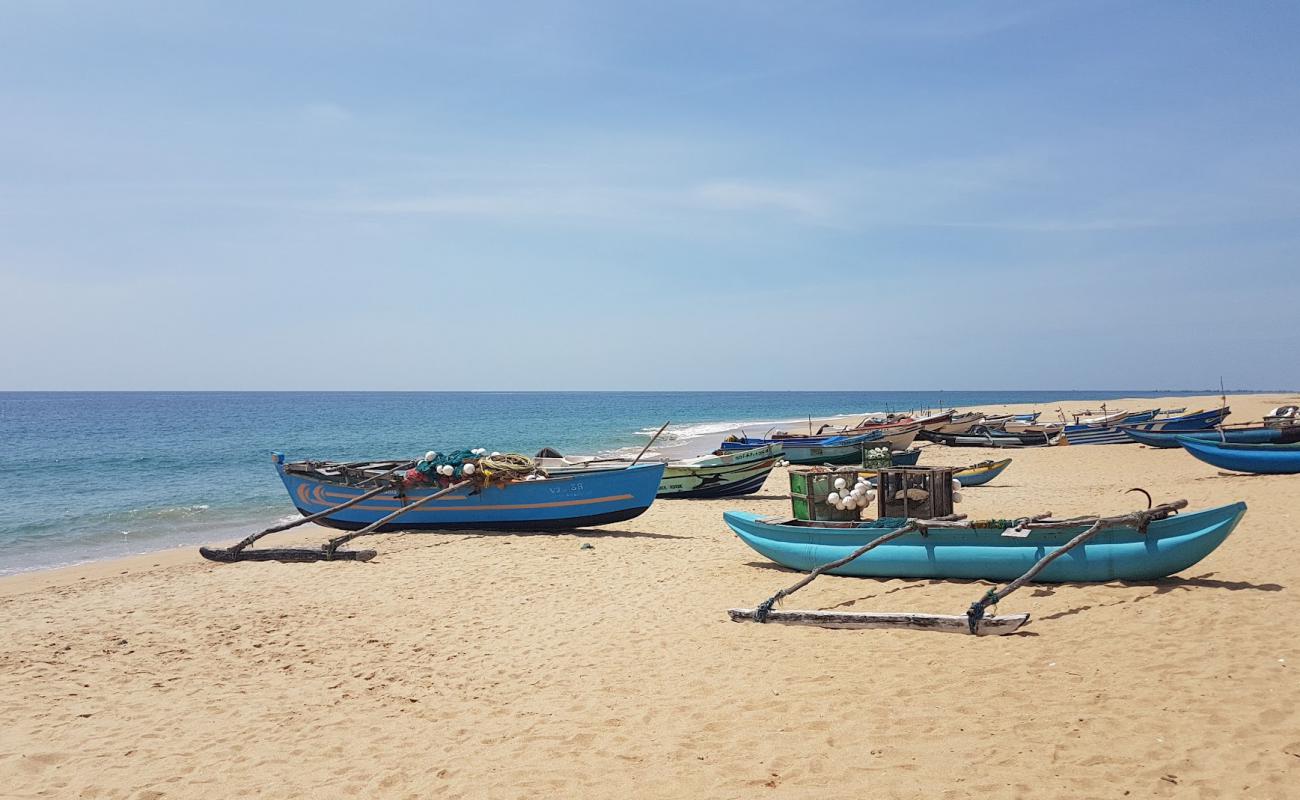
[(328, 551)]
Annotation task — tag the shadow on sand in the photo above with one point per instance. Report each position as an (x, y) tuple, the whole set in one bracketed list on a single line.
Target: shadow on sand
[(1159, 587)]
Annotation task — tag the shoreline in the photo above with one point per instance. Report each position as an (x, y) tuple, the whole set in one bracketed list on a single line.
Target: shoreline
[(695, 446)]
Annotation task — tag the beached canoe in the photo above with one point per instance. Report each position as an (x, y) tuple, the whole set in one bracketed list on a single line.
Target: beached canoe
[(1243, 434), (1198, 421), (905, 458), (974, 475), (981, 473), (1168, 546), (960, 423), (981, 437), (1259, 459), (728, 474), (561, 503), (813, 449)]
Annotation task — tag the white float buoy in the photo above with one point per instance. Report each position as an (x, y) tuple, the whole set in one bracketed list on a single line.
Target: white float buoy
[(468, 469), (850, 504), (956, 485), (956, 497), (431, 455), (840, 483), (833, 498)]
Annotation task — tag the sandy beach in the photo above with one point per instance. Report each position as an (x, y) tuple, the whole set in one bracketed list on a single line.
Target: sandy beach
[(492, 665)]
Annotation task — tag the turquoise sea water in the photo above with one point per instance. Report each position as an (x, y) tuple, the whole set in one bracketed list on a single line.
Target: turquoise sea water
[(93, 475)]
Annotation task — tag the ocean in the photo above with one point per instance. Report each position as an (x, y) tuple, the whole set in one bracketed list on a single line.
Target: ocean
[(92, 475)]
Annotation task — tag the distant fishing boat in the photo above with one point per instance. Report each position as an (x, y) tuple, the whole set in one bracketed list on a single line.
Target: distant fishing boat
[(560, 503), (898, 433), (960, 423), (981, 473), (982, 437), (1102, 417), (1240, 434), (1283, 416), (725, 474), (1196, 421), (987, 551), (974, 475), (1021, 426), (904, 458), (997, 422), (811, 450), (1115, 433), (1258, 459)]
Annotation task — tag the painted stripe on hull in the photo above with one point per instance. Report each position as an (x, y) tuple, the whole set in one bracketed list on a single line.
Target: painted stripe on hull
[(568, 523)]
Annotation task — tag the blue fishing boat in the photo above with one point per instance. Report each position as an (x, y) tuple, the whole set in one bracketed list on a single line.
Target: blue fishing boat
[(812, 449), (1167, 546), (561, 503), (1107, 432), (1239, 435), (1259, 459), (905, 458), (1198, 421)]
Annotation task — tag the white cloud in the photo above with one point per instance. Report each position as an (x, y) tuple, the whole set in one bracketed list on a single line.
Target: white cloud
[(326, 113), (750, 196)]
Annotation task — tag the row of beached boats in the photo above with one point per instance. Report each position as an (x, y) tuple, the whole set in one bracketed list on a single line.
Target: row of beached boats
[(471, 490)]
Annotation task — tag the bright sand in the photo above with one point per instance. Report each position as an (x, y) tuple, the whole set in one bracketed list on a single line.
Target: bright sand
[(525, 666)]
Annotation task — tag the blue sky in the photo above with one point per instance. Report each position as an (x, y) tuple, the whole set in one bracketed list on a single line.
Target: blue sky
[(826, 195)]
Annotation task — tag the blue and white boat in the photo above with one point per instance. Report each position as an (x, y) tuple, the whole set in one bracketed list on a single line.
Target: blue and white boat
[(1115, 433), (812, 449), (561, 503), (1196, 421)]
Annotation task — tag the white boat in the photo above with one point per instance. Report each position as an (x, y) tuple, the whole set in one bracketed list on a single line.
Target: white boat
[(733, 473)]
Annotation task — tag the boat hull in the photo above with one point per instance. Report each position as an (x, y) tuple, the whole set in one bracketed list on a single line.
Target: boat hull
[(815, 450), (980, 474), (1258, 459), (1189, 422), (1169, 439), (560, 503), (1169, 546), (1095, 434), (680, 483), (991, 439)]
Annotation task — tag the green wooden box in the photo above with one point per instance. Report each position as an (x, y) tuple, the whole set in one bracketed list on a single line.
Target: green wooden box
[(809, 487)]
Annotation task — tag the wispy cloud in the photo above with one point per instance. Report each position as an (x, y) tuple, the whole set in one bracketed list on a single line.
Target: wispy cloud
[(326, 113), (751, 196)]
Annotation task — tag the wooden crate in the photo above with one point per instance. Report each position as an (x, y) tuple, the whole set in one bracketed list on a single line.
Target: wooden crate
[(914, 492), (809, 487)]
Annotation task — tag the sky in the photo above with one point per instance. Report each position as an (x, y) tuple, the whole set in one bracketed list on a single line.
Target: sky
[(657, 195)]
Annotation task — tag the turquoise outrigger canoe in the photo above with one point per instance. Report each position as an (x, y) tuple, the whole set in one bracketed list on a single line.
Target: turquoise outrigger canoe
[(1169, 545), (1258, 459)]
